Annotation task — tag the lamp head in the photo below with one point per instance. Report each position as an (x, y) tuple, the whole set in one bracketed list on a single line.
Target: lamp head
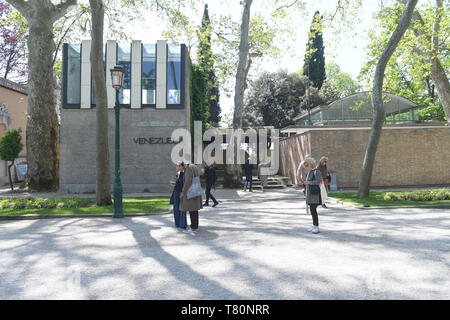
[(117, 75)]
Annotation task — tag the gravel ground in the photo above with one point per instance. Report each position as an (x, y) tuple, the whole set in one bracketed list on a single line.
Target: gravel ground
[(243, 250)]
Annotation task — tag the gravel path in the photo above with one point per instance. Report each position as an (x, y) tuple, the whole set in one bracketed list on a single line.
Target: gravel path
[(243, 250)]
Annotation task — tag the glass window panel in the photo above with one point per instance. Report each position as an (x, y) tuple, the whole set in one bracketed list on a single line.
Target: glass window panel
[(124, 60), (74, 74), (174, 74), (148, 73)]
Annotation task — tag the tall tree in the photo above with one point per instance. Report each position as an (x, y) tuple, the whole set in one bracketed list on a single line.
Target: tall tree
[(338, 84), (205, 60), (42, 123), (103, 194), (233, 177), (377, 99), (314, 65), (273, 99), (409, 72), (429, 46)]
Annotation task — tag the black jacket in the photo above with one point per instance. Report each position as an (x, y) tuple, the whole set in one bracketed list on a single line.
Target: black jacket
[(248, 169), (210, 175), (179, 182)]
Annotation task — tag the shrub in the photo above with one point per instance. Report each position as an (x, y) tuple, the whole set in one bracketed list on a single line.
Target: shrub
[(44, 203), (418, 195)]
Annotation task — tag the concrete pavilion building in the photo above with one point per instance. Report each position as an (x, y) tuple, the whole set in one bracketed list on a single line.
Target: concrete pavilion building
[(154, 102)]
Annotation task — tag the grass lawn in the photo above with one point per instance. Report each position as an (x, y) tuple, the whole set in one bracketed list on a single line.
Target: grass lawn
[(373, 201), (130, 205)]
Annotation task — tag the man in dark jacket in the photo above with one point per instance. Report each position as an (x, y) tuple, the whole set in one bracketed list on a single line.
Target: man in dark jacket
[(210, 177), (248, 171)]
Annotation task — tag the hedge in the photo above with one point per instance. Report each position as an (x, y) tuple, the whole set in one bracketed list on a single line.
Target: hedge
[(418, 195), (43, 203)]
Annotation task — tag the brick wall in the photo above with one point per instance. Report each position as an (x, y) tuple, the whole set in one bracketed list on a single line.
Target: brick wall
[(405, 156)]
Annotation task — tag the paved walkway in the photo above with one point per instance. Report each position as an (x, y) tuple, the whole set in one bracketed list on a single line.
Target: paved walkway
[(243, 250)]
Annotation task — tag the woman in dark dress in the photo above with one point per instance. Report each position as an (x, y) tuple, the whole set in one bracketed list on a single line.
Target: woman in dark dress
[(179, 216)]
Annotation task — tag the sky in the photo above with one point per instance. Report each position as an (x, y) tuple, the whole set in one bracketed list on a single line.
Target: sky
[(347, 50)]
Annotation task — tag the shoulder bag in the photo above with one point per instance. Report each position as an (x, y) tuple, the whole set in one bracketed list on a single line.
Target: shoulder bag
[(195, 189)]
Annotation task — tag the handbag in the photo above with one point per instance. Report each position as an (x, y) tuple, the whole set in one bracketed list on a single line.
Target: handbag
[(314, 188), (171, 197), (323, 193), (195, 189)]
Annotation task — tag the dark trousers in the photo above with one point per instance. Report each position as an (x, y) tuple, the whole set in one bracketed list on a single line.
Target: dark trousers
[(194, 219), (209, 195), (179, 216), (249, 181), (315, 217)]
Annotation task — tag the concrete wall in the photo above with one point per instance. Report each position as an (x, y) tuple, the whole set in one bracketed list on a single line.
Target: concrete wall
[(410, 156), (143, 166)]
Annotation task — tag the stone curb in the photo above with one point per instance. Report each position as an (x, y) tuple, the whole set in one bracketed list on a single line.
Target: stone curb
[(56, 216), (437, 206)]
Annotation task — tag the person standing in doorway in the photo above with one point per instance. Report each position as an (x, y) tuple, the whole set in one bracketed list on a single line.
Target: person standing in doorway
[(312, 182), (210, 179), (248, 171), (194, 204), (179, 216)]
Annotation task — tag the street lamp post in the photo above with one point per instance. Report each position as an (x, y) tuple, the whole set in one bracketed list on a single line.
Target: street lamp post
[(117, 74)]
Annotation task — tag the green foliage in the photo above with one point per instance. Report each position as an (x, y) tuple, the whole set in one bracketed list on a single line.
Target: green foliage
[(314, 66), (198, 94), (45, 203), (338, 84), (408, 71), (418, 195), (205, 61), (274, 99), (11, 144), (434, 112)]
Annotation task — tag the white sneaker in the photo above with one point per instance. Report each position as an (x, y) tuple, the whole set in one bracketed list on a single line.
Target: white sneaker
[(311, 229), (189, 230), (315, 229)]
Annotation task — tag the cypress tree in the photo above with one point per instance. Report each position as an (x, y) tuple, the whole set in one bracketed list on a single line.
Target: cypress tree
[(314, 66), (205, 61)]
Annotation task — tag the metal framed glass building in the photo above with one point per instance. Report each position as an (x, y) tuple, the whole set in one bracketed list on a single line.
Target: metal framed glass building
[(357, 110)]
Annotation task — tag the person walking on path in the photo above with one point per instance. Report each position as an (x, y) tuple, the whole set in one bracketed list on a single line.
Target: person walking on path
[(194, 204), (179, 216), (211, 178), (248, 171), (312, 182), (326, 177)]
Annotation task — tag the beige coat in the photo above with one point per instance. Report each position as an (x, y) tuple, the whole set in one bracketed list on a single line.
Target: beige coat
[(193, 204)]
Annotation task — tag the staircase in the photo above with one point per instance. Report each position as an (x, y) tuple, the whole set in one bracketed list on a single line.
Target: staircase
[(274, 181)]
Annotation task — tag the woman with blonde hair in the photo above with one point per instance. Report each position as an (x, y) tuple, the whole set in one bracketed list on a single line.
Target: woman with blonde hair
[(312, 182), (322, 166)]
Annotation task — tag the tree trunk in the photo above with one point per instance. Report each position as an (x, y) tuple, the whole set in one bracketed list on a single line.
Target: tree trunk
[(442, 86), (42, 121), (9, 176), (377, 99), (103, 195), (234, 170)]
